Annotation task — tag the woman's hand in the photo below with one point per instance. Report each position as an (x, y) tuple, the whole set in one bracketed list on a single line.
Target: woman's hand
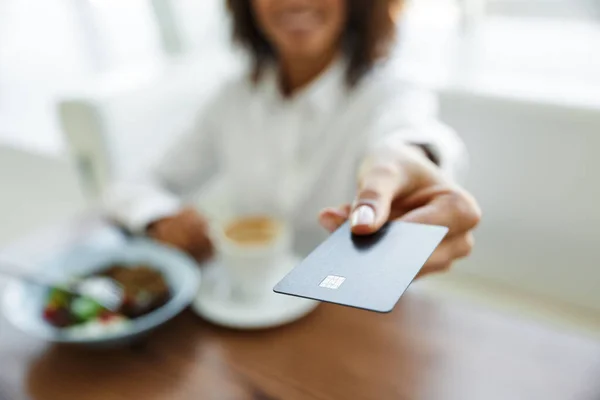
[(187, 231), (398, 181)]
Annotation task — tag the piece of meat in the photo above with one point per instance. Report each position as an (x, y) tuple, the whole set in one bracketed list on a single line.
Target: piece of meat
[(145, 288)]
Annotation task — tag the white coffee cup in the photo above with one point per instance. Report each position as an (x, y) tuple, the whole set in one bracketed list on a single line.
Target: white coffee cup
[(252, 250)]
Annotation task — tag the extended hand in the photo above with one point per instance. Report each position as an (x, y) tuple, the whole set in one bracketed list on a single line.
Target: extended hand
[(399, 182)]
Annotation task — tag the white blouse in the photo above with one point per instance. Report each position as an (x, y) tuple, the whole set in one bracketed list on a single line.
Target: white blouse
[(288, 156)]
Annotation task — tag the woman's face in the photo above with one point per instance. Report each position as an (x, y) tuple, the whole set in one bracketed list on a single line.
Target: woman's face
[(301, 29)]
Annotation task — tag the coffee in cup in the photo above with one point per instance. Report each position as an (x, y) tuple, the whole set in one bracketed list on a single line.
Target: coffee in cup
[(253, 249), (253, 231)]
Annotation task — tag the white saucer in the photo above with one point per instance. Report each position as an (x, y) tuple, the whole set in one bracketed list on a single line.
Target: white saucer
[(214, 304)]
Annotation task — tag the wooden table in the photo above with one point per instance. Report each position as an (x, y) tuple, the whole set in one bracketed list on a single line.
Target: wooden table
[(428, 348)]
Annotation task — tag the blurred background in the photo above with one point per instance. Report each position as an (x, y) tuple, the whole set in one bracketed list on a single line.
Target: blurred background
[(84, 83)]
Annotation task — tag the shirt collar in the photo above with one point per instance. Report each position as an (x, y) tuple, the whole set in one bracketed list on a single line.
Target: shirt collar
[(323, 93)]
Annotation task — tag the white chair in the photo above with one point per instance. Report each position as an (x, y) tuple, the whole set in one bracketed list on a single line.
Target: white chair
[(120, 123)]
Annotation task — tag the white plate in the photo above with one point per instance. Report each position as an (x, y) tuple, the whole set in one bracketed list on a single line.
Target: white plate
[(23, 303), (214, 304)]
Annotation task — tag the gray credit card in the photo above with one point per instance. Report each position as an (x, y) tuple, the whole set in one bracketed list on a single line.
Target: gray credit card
[(368, 272)]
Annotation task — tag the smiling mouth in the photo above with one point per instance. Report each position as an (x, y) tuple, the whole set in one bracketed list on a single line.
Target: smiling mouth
[(299, 21)]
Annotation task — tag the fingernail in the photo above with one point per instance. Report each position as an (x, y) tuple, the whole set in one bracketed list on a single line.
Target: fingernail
[(363, 215)]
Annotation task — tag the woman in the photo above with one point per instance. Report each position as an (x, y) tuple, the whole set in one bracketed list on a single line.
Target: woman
[(319, 120)]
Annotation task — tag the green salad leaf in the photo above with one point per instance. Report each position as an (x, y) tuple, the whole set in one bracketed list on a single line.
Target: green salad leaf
[(85, 309)]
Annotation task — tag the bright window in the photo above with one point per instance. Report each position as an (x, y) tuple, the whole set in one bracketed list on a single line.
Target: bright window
[(558, 9)]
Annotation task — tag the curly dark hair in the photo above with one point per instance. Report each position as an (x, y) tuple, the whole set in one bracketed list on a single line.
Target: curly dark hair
[(367, 37)]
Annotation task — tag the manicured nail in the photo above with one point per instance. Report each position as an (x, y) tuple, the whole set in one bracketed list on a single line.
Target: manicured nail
[(363, 215)]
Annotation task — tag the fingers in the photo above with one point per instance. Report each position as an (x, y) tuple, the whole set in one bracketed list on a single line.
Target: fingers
[(378, 186), (393, 171), (332, 218), (449, 250), (454, 209), (187, 231), (202, 250)]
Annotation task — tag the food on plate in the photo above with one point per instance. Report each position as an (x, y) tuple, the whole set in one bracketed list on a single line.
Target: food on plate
[(145, 290)]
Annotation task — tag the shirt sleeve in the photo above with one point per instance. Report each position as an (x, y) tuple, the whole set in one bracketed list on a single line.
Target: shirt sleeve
[(409, 111), (137, 201)]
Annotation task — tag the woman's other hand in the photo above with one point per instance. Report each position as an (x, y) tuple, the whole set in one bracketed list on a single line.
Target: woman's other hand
[(398, 181), (187, 231)]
